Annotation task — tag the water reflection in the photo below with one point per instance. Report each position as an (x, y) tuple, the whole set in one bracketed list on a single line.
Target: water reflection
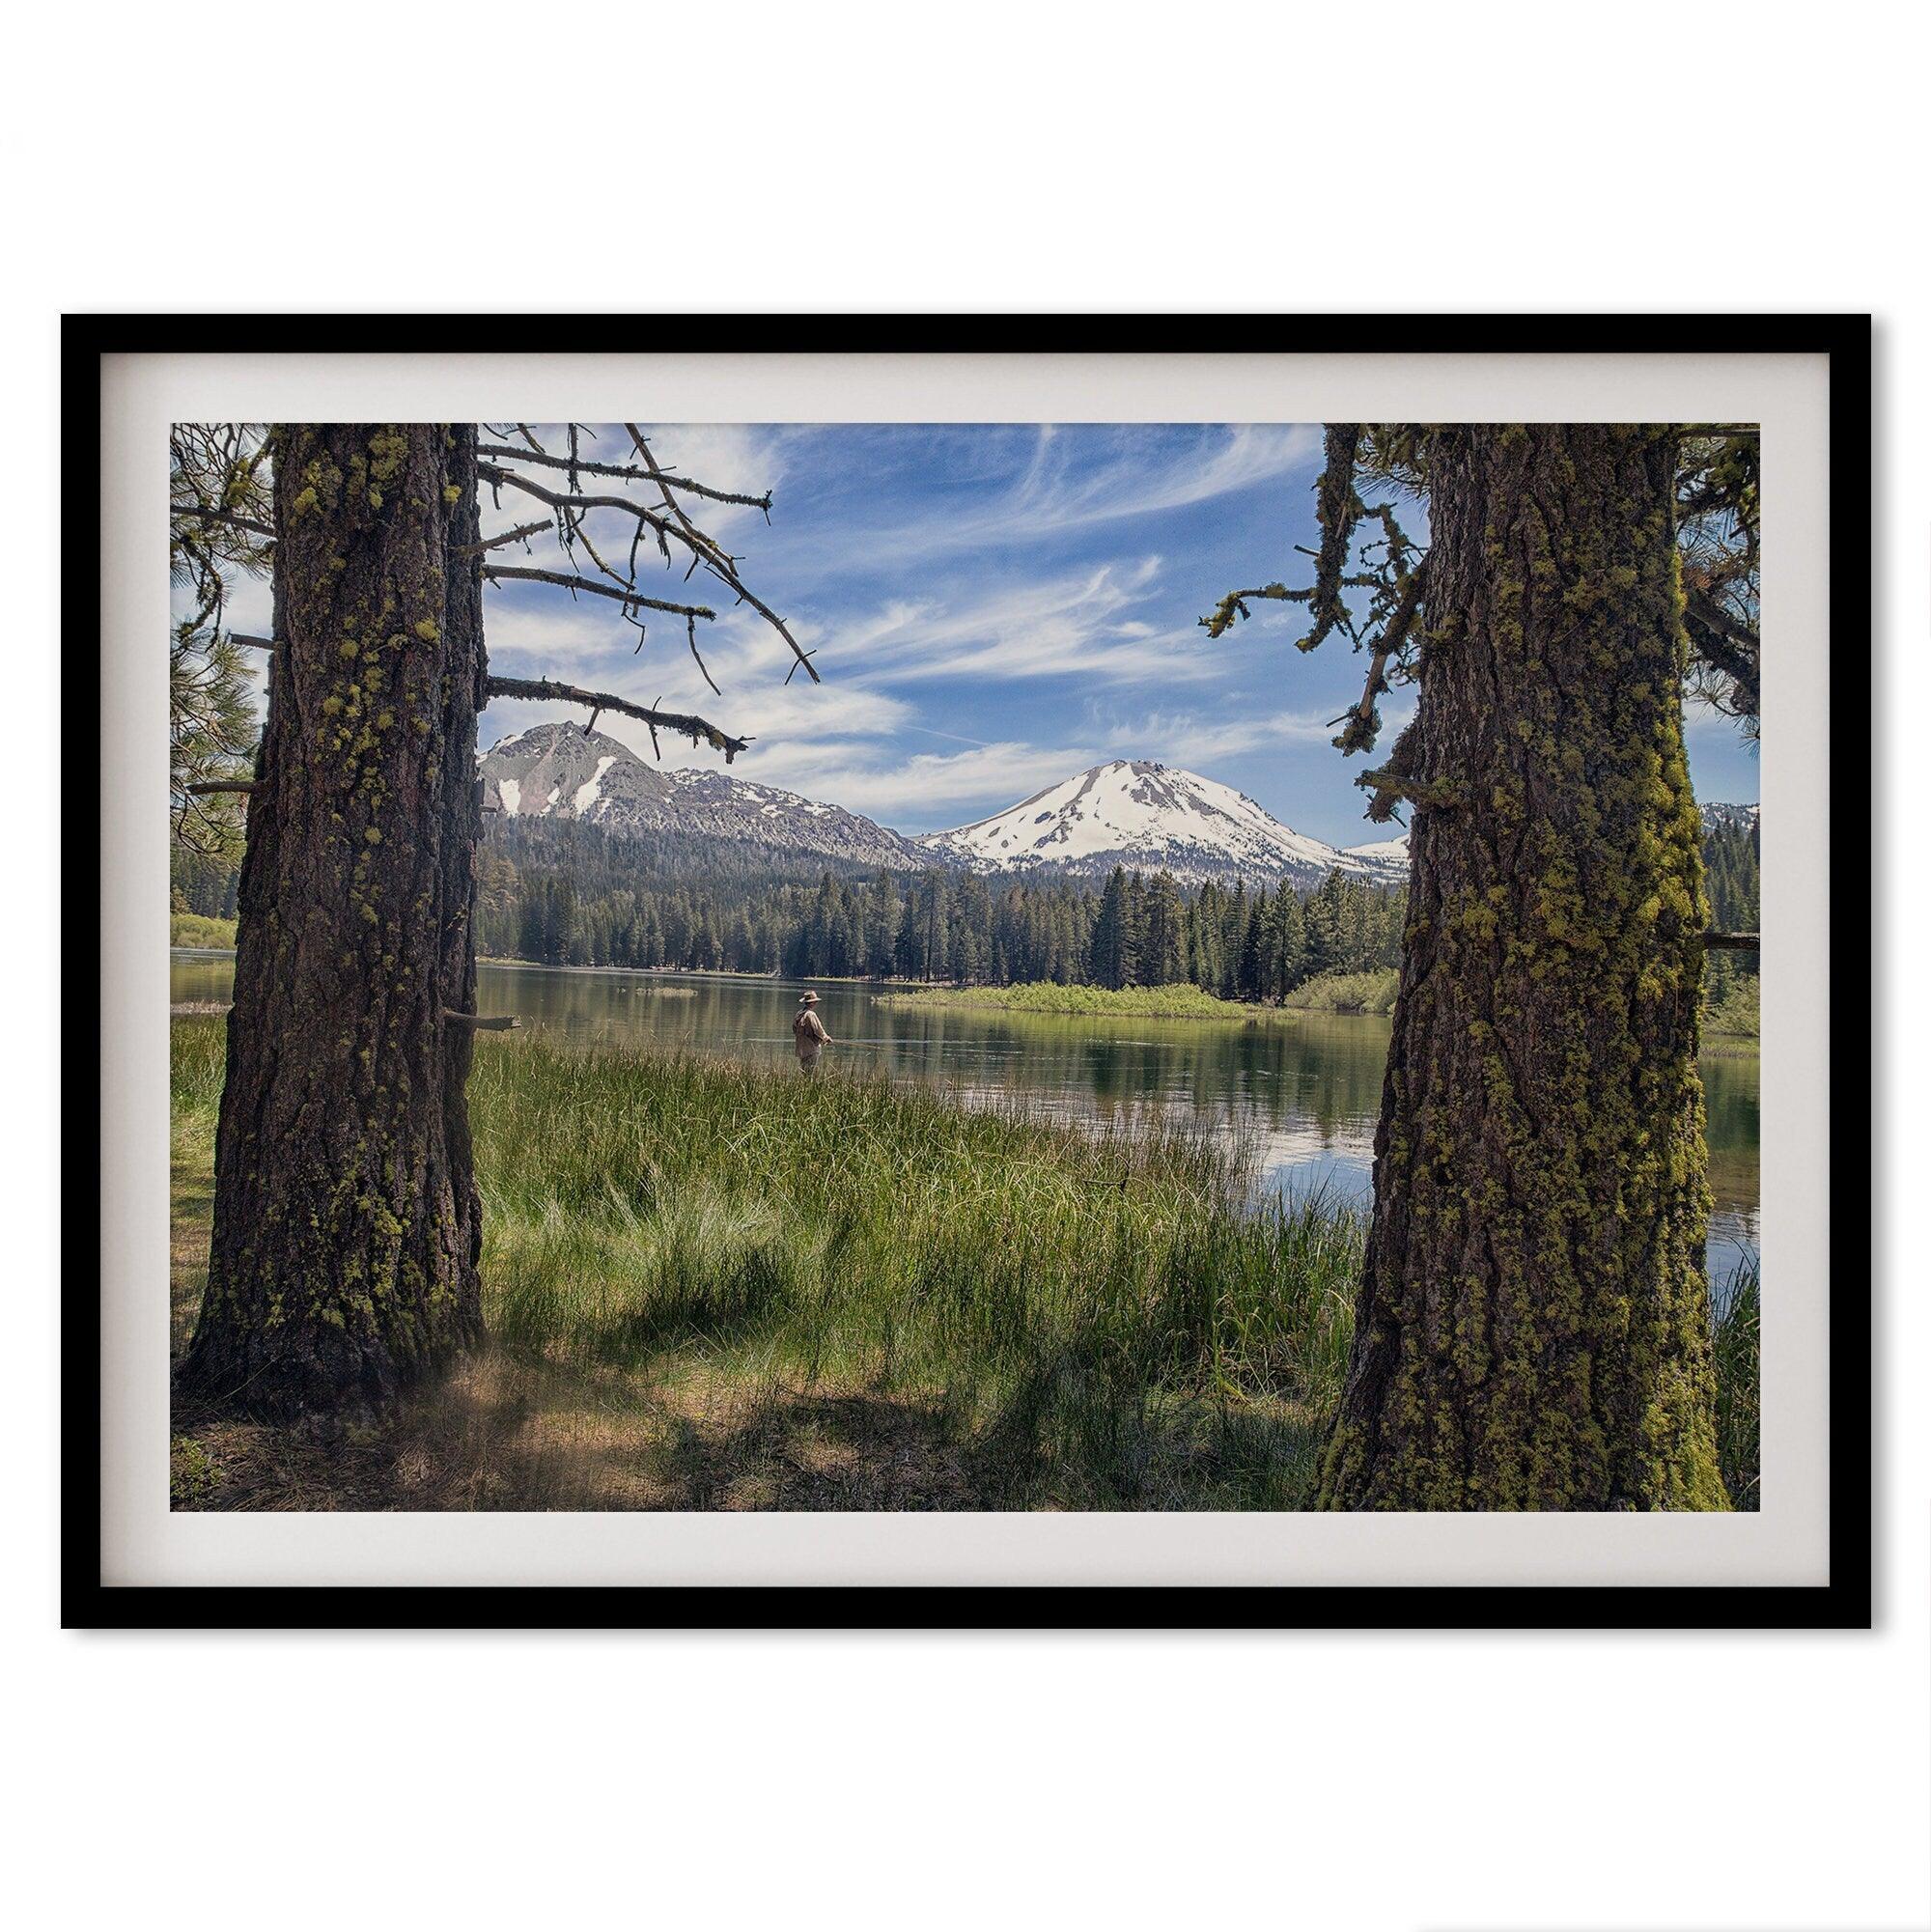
[(1306, 1095)]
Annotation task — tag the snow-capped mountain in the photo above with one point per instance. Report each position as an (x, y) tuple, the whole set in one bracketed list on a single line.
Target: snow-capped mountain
[(1133, 813), (1148, 817), (562, 771)]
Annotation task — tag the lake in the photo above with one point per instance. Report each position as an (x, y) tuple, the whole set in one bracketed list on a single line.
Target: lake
[(1306, 1094)]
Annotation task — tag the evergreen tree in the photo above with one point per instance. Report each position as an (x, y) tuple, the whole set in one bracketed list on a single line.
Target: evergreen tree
[(1285, 945), (1325, 925), (347, 1224), (1163, 951), (1115, 946), (1533, 1326)]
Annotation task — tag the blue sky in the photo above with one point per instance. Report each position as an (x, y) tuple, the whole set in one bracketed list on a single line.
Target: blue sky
[(992, 608)]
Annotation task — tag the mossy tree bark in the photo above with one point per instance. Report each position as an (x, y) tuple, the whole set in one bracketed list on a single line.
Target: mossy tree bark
[(347, 1226), (1532, 1328)]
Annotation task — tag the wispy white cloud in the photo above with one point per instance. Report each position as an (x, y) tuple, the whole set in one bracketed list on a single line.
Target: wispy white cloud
[(926, 792), (847, 739), (1205, 741), (1185, 739), (1068, 486), (1072, 623), (746, 656), (529, 631), (1058, 493), (939, 704)]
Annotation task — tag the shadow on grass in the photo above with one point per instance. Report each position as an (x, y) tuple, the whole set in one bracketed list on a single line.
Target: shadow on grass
[(504, 1434), (499, 1433), (1065, 1438)]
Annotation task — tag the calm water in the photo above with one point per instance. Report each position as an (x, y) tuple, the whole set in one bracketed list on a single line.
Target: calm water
[(1306, 1094)]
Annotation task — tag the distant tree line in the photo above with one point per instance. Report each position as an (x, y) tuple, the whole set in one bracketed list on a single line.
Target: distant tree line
[(1732, 877), (568, 894), (571, 895)]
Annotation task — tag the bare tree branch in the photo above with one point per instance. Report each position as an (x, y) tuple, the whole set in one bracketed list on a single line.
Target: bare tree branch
[(630, 471), (514, 536), (227, 516), (1731, 645), (672, 522), (1363, 724), (1235, 605), (547, 690), (615, 592)]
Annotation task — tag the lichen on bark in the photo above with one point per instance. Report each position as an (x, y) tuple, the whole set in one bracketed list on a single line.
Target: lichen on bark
[(1533, 1325), (346, 1228)]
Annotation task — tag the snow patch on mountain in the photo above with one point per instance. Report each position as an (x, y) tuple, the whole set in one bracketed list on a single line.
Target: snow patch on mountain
[(587, 794), (588, 776), (1380, 852), (1145, 816), (1135, 813)]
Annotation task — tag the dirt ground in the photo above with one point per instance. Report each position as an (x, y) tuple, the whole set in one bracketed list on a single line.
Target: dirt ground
[(499, 1433)]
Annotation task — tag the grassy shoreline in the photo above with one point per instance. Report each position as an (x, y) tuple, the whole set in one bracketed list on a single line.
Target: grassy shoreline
[(714, 1285), (1729, 1029), (1132, 1002), (198, 934), (1358, 993)]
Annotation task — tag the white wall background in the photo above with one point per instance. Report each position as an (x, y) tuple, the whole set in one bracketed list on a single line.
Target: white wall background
[(1133, 159)]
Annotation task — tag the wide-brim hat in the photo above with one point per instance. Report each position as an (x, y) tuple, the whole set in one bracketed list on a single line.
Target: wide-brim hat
[(808, 999)]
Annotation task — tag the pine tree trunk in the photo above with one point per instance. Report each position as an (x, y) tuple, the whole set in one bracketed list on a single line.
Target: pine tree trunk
[(347, 1224), (1532, 1327)]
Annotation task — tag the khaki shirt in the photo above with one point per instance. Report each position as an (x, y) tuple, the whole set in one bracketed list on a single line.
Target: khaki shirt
[(807, 1030)]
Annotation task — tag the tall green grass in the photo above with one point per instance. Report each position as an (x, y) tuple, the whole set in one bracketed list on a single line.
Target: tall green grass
[(1739, 1332), (1094, 1320), (1091, 1320), (1100, 1319)]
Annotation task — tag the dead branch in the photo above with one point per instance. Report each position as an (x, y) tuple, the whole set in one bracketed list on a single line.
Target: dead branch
[(1391, 787), (1364, 722), (1235, 605), (1727, 644), (547, 690), (615, 592), (227, 516), (572, 506), (629, 471), (514, 536)]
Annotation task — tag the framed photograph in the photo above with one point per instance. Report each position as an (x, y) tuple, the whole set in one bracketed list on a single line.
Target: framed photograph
[(967, 970)]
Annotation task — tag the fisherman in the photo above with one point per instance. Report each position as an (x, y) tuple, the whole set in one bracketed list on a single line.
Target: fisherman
[(807, 1031)]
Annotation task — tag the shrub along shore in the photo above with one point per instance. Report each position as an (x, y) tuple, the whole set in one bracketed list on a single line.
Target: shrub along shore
[(717, 1285)]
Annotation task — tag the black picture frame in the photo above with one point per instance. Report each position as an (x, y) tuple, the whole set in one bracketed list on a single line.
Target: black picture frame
[(1844, 1601)]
